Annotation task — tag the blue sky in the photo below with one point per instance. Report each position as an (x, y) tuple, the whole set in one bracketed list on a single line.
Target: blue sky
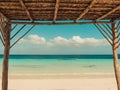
[(61, 39), (67, 31)]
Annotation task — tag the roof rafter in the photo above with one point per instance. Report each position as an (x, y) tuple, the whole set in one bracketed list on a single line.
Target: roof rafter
[(61, 23), (110, 12), (25, 8), (56, 10), (86, 10)]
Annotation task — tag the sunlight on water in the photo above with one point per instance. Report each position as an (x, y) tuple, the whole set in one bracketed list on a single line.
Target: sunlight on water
[(59, 67)]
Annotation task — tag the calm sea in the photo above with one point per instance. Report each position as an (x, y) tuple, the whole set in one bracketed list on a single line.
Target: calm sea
[(59, 66)]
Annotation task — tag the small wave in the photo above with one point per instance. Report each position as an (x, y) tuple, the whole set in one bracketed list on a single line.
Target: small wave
[(61, 74), (27, 66)]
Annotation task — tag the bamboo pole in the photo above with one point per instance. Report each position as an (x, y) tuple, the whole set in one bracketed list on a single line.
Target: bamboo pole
[(104, 25), (5, 60), (109, 36), (14, 27), (112, 11), (18, 32), (26, 10), (86, 10), (2, 40), (56, 10), (2, 33), (109, 40), (108, 26), (115, 55), (22, 36), (60, 23)]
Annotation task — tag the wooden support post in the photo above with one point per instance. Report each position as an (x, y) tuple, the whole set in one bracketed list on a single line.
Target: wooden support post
[(115, 54), (115, 43), (6, 57)]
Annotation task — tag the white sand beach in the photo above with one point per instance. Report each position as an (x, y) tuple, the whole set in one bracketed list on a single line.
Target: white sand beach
[(63, 84)]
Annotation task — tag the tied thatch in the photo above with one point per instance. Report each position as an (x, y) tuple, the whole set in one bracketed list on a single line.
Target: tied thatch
[(60, 9)]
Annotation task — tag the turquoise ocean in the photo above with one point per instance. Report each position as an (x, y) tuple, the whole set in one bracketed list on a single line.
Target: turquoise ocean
[(59, 66)]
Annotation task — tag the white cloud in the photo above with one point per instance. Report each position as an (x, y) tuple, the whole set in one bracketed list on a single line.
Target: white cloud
[(75, 41), (59, 41), (35, 44), (22, 41), (33, 39)]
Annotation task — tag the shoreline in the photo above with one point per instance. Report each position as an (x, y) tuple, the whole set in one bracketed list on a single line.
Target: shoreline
[(62, 77), (63, 84)]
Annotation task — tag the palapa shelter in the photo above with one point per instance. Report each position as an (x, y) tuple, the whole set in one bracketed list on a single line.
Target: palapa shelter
[(104, 14)]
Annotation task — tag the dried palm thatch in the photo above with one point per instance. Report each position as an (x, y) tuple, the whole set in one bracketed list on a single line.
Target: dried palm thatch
[(30, 11), (54, 10)]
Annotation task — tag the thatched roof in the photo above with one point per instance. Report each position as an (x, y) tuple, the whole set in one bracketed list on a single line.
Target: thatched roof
[(60, 9)]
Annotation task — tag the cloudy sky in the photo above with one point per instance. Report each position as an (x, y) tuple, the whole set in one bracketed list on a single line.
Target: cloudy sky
[(66, 39)]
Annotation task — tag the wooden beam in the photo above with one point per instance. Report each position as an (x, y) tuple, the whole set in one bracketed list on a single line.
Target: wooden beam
[(6, 59), (2, 30), (103, 34), (17, 32), (60, 23), (106, 33), (118, 25), (109, 30), (2, 40), (2, 33), (109, 27), (110, 12), (22, 36), (14, 27), (56, 10), (115, 55), (86, 10), (25, 8)]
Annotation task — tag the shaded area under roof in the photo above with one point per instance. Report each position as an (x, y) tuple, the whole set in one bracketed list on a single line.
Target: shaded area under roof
[(54, 10)]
